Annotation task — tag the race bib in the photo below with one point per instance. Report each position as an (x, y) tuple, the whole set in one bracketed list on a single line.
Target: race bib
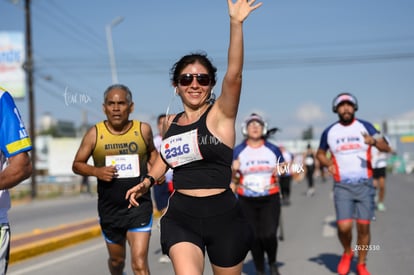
[(256, 183), (181, 149), (127, 166), (309, 161)]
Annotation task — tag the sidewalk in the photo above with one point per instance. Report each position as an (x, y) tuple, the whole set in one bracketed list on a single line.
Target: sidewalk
[(27, 245)]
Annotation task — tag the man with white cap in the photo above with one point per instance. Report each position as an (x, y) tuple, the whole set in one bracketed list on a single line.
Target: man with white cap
[(349, 140)]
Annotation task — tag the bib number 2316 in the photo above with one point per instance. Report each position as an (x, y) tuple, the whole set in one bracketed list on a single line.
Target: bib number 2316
[(181, 149)]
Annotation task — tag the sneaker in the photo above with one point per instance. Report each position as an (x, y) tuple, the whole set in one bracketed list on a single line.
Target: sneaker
[(345, 263), (285, 202), (362, 270), (274, 270), (310, 192), (164, 259), (381, 207)]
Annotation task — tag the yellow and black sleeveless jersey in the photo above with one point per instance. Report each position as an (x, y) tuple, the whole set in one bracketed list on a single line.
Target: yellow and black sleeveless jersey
[(128, 143), (111, 200)]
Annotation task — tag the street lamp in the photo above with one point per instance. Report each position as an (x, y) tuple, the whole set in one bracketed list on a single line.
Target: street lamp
[(108, 28)]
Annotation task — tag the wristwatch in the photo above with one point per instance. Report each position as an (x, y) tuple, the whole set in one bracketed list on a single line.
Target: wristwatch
[(151, 179)]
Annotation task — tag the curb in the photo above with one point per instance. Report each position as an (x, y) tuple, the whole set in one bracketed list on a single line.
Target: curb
[(48, 244)]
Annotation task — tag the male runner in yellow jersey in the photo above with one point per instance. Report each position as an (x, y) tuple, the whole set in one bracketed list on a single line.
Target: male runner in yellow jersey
[(121, 149)]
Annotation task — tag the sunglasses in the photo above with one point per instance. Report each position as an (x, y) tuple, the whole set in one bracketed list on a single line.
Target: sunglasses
[(187, 79)]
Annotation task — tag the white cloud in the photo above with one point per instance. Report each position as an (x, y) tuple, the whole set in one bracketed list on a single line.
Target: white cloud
[(408, 115), (309, 113)]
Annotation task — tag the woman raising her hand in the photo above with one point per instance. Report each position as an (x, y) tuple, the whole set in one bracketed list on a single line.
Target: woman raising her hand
[(203, 213)]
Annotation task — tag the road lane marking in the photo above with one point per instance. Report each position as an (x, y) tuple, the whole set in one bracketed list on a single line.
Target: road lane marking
[(77, 253), (329, 228)]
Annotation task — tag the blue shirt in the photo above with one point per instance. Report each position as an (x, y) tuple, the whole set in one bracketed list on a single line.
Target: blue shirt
[(13, 140)]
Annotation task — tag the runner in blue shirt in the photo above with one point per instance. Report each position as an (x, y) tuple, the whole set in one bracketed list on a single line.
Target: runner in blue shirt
[(14, 145)]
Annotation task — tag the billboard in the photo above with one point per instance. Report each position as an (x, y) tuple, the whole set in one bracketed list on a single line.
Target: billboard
[(12, 58)]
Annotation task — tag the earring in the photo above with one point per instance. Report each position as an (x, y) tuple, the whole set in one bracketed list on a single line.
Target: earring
[(212, 97)]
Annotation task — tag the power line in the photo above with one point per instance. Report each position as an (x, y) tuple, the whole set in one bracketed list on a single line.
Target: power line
[(377, 42), (252, 62), (67, 28), (274, 63)]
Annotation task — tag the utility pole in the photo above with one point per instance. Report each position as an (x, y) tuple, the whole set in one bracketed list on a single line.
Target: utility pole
[(28, 66)]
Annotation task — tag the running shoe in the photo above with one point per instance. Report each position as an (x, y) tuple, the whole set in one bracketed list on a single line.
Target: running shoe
[(310, 192), (164, 259), (362, 270), (345, 263), (285, 202), (381, 207), (274, 270)]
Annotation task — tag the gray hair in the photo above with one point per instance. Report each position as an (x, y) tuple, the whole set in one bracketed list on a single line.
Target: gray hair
[(122, 87)]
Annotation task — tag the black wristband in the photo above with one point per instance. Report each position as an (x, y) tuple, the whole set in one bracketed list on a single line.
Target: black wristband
[(375, 142), (151, 179)]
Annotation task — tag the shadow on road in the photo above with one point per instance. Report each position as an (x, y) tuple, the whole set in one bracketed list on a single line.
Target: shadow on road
[(330, 261), (249, 269)]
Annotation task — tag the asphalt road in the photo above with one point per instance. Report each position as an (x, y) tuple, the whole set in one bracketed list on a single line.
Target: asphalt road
[(310, 244), (44, 214)]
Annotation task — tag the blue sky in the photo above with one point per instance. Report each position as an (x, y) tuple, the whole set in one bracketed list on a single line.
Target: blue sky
[(298, 55)]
